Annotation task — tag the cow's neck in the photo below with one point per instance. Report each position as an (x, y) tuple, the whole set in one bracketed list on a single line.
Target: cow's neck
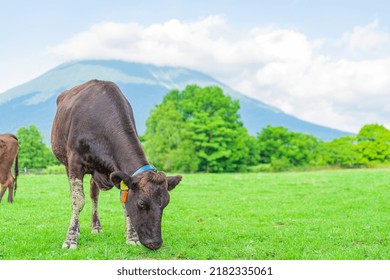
[(130, 156)]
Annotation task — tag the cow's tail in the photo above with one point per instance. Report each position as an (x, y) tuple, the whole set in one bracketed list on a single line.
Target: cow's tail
[(16, 172)]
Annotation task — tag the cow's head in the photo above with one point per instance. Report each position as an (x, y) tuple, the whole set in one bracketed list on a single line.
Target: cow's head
[(147, 197)]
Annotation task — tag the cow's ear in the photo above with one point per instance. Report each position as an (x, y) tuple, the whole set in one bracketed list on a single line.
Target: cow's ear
[(173, 181), (118, 176)]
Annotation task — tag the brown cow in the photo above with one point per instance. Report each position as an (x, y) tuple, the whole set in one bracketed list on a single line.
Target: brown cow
[(94, 133), (8, 155)]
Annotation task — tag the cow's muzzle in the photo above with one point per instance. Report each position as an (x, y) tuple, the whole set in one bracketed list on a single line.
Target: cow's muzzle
[(153, 245)]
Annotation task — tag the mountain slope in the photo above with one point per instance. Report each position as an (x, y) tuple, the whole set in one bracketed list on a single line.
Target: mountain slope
[(144, 85)]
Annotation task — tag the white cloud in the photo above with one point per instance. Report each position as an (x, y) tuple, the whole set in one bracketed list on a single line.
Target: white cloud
[(365, 38), (278, 66), (172, 43)]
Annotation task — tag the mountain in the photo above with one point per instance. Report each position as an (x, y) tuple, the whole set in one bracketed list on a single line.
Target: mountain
[(144, 85)]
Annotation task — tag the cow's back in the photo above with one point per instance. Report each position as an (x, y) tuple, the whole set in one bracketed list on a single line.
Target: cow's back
[(89, 113)]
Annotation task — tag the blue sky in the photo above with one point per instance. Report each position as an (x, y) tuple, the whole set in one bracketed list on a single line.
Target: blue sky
[(323, 61)]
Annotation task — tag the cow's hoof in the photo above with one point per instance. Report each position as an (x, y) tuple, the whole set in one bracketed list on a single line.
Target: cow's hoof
[(133, 242), (96, 227), (69, 245), (97, 230)]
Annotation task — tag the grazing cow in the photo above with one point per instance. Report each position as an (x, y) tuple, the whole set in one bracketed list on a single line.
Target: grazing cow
[(94, 133), (8, 155)]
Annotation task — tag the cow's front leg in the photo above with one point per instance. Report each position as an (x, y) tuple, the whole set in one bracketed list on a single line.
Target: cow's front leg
[(95, 221), (131, 234), (8, 184), (78, 201)]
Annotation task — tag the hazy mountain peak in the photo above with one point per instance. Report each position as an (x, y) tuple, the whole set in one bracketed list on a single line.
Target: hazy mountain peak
[(34, 102)]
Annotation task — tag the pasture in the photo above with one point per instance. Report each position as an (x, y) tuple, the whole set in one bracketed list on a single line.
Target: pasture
[(322, 215)]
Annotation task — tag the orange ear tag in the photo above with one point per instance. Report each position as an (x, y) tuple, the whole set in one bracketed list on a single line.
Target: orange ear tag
[(124, 196), (124, 191)]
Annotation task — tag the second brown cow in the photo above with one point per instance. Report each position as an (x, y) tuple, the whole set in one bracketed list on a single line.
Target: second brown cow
[(8, 156)]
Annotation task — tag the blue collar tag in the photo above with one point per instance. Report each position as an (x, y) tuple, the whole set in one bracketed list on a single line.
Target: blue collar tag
[(144, 168)]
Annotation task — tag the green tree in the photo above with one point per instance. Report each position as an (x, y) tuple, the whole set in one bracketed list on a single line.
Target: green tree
[(163, 139), (198, 129), (340, 152), (33, 153), (373, 144), (283, 149), (270, 141), (370, 147)]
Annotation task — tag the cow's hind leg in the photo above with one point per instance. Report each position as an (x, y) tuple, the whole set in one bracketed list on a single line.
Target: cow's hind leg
[(78, 201), (95, 223), (11, 191), (3, 189), (131, 234)]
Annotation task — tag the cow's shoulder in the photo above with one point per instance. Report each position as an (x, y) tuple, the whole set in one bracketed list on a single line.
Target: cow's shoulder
[(68, 97), (8, 137)]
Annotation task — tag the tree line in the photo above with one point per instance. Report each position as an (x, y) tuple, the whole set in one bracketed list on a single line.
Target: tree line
[(199, 130)]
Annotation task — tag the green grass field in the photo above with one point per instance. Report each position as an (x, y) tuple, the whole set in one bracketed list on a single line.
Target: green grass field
[(322, 215)]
